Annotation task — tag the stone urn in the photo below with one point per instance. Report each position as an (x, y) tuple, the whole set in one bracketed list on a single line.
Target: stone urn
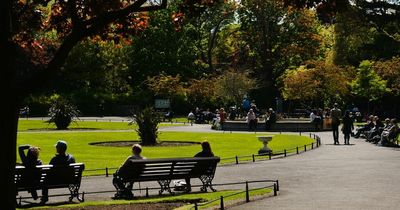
[(265, 140)]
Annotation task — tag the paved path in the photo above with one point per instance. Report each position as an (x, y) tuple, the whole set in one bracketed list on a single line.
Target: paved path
[(359, 176)]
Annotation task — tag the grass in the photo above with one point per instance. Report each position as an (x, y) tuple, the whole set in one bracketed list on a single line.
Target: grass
[(224, 145), (40, 125), (184, 198)]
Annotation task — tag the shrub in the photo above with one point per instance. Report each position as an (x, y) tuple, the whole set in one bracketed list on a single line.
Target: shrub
[(147, 120), (61, 112)]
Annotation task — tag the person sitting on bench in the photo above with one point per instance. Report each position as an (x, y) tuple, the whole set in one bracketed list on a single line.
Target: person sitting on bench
[(206, 152), (30, 160), (125, 171)]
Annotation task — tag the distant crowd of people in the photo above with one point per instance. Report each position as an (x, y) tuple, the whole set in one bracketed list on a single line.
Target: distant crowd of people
[(378, 132)]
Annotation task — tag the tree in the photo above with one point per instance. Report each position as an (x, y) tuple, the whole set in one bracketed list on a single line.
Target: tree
[(31, 60), (232, 85), (317, 83), (367, 84), (278, 37)]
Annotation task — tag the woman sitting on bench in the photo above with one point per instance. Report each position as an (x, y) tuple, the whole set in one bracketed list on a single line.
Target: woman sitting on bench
[(206, 152)]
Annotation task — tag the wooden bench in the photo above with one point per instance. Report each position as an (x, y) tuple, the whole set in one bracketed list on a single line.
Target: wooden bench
[(164, 170), (50, 177)]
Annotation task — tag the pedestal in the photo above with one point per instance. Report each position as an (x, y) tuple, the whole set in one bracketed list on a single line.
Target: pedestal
[(265, 140)]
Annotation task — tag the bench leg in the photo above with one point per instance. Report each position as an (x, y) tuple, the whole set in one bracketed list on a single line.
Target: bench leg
[(207, 182), (164, 184), (74, 191)]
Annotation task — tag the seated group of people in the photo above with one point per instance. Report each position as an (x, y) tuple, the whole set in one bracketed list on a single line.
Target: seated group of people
[(30, 160), (377, 132)]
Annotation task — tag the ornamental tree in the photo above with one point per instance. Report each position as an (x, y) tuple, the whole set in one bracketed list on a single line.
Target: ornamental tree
[(35, 40)]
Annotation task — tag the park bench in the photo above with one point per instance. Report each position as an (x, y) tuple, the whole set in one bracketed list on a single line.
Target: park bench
[(50, 177), (164, 170)]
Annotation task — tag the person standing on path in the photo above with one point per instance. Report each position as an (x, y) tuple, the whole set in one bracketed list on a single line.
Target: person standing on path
[(347, 128), (335, 115)]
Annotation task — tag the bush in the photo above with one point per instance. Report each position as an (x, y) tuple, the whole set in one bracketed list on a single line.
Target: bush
[(61, 112), (147, 120)]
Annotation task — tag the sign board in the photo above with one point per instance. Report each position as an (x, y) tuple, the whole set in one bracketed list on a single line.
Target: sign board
[(162, 104)]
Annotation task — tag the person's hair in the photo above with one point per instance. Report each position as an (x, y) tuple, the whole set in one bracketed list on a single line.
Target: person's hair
[(33, 152), (136, 148), (206, 146)]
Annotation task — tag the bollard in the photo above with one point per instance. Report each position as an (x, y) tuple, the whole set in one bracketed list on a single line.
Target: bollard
[(284, 152), (254, 160), (305, 148), (247, 192), (237, 160), (277, 185), (83, 196), (222, 203), (147, 192), (275, 191), (312, 145), (270, 155), (310, 135), (297, 150), (195, 206), (300, 133), (106, 172)]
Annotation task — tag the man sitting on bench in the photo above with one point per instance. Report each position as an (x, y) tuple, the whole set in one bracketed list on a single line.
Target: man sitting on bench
[(125, 171)]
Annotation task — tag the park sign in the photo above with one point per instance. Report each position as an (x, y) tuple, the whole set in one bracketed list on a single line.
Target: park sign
[(162, 104)]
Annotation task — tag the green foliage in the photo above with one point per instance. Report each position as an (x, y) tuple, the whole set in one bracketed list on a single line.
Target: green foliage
[(61, 112), (232, 85), (367, 83), (147, 120), (389, 70), (317, 82)]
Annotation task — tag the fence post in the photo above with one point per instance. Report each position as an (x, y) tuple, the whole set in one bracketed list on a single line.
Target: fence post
[(237, 160), (275, 192), (247, 192), (310, 135), (106, 171), (277, 185), (147, 192), (222, 203), (254, 160), (312, 145), (284, 152), (305, 148), (297, 150)]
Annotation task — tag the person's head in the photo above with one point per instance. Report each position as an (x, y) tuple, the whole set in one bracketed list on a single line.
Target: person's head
[(33, 153), (387, 120), (61, 146), (136, 149), (347, 113), (335, 105), (251, 110), (205, 145), (221, 110), (393, 121)]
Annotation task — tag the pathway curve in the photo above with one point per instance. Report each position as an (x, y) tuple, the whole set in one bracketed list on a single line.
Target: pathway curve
[(359, 176)]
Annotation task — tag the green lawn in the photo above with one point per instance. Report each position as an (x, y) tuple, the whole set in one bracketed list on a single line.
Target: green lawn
[(38, 125), (224, 145)]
